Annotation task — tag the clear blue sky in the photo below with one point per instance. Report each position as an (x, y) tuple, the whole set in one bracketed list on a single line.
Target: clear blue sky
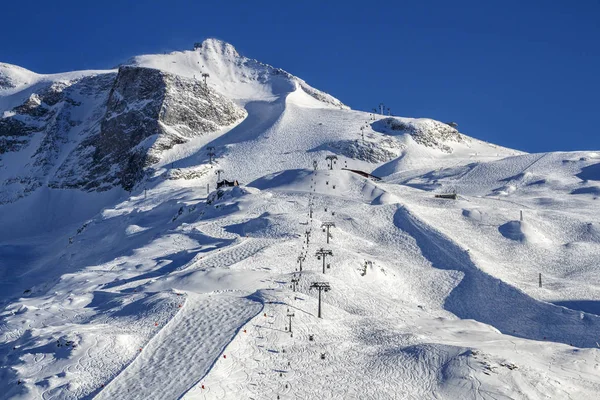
[(524, 74)]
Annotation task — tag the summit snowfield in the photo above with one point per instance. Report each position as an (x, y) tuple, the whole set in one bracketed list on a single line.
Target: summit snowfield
[(122, 277)]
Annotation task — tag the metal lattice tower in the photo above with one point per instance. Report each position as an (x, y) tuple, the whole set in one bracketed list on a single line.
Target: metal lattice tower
[(290, 315), (331, 160), (295, 280), (301, 258), (320, 286), (323, 253), (328, 225)]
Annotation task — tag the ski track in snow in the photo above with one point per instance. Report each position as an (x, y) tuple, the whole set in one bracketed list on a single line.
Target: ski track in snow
[(180, 354)]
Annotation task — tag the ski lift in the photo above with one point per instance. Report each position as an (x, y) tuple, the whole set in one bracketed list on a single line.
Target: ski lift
[(328, 266), (322, 356), (318, 257), (311, 338)]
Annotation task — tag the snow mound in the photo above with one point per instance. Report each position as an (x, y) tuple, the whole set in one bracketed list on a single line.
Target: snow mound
[(473, 215), (594, 190), (590, 172), (592, 232), (522, 231)]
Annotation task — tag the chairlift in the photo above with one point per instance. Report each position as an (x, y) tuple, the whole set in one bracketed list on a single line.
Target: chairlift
[(328, 266)]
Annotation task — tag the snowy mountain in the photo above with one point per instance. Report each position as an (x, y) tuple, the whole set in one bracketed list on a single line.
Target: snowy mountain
[(122, 277)]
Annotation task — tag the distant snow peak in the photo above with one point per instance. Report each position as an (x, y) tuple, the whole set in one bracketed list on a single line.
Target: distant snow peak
[(13, 76), (217, 46)]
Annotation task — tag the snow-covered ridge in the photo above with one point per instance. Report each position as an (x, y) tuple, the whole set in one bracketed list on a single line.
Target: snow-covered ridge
[(231, 74), (15, 79), (88, 130), (13, 76)]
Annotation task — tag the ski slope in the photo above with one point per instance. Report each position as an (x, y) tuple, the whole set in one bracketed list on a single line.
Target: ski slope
[(173, 292)]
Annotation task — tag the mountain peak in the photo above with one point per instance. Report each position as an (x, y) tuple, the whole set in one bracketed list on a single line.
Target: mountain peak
[(213, 45), (13, 76)]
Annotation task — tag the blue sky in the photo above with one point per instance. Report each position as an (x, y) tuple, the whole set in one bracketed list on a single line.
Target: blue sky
[(523, 74)]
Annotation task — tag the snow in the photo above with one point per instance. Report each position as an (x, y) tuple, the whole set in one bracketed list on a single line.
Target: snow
[(168, 291)]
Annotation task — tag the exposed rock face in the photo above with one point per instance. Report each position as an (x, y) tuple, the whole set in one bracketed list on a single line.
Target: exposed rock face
[(374, 152), (110, 156), (103, 131), (43, 126), (427, 132), (148, 111), (97, 130)]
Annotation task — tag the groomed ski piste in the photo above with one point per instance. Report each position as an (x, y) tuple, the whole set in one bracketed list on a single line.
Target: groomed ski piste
[(173, 292)]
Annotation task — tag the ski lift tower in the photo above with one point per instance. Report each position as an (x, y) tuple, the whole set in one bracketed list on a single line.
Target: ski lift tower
[(326, 226), (331, 159), (323, 253), (218, 173), (205, 75), (320, 286)]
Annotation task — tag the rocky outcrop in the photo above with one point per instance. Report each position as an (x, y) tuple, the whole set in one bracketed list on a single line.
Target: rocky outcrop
[(148, 111), (103, 131), (382, 150), (426, 132), (43, 126)]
